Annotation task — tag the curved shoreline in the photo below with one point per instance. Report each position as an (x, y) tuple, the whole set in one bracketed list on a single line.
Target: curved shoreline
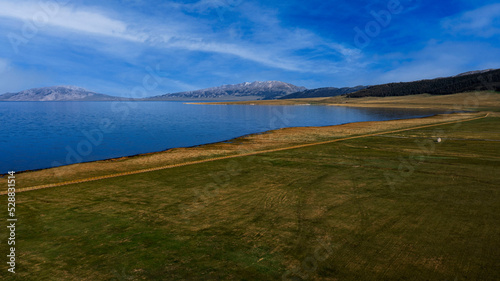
[(413, 115), (231, 140), (269, 141)]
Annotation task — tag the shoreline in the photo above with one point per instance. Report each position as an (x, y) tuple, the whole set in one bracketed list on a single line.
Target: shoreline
[(254, 143), (226, 141)]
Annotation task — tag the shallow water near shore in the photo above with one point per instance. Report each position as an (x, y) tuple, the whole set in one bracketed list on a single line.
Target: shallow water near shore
[(37, 135)]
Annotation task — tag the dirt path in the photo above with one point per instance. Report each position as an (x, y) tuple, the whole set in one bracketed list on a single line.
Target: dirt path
[(232, 156)]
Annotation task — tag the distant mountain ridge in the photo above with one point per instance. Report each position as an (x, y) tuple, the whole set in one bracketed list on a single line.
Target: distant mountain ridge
[(469, 81), (57, 93), (465, 82), (243, 91), (323, 92)]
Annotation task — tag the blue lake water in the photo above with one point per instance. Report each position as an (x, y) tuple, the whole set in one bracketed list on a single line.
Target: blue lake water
[(36, 135)]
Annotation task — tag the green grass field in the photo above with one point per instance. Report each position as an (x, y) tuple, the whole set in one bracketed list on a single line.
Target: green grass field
[(391, 207)]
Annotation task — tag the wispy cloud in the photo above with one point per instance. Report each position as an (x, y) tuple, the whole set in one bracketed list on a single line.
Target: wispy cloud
[(269, 44), (257, 35), (236, 50), (66, 17), (483, 22)]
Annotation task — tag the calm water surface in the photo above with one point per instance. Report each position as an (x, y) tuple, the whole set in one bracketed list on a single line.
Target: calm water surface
[(36, 135)]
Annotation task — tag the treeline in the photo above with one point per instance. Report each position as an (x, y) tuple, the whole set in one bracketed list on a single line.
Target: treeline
[(489, 80), (323, 92)]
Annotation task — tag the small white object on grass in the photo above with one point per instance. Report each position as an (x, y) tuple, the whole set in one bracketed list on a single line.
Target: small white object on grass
[(438, 139)]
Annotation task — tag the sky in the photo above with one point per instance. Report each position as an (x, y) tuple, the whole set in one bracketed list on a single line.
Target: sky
[(136, 48)]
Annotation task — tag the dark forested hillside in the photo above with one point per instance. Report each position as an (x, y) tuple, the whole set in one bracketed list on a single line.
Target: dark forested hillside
[(323, 92), (489, 80)]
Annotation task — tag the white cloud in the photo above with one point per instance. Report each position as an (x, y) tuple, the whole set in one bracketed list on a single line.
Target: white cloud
[(236, 50), (483, 22), (39, 15)]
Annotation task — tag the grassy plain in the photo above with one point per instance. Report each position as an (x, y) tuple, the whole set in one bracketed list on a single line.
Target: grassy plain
[(396, 206), (465, 101)]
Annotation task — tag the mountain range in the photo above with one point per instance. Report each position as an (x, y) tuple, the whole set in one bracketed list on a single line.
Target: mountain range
[(469, 81), (243, 91), (57, 93)]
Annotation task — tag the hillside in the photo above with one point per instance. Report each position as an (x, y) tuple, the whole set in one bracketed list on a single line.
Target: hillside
[(323, 92), (466, 82), (243, 91), (57, 93)]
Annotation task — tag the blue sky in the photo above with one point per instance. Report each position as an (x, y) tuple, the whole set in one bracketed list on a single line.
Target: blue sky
[(112, 46)]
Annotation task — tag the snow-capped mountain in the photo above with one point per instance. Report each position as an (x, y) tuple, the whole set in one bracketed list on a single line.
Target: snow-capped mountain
[(243, 91)]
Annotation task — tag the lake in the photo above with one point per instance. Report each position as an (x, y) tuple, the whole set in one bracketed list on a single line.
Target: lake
[(37, 135)]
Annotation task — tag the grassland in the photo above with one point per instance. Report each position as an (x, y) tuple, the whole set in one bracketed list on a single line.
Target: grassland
[(395, 206), (473, 101)]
